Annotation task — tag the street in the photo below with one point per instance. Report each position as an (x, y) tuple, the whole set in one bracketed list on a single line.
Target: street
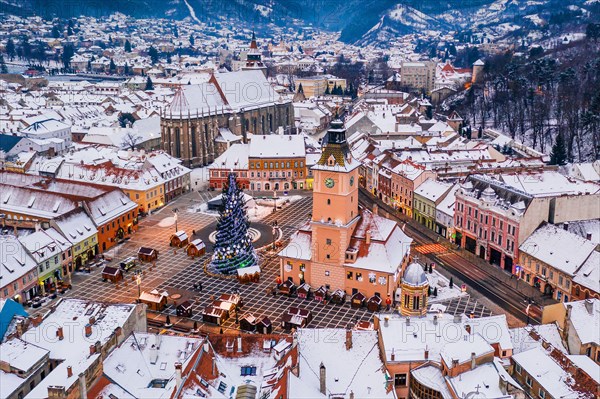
[(484, 280)]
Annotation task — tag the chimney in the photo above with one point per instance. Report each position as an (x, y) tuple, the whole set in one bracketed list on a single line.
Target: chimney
[(82, 386), (468, 328), (473, 361), (322, 381), (56, 392), (351, 394), (88, 330), (589, 306), (98, 347), (214, 366), (457, 318), (348, 339), (60, 334), (588, 236), (393, 355), (239, 343), (368, 237), (426, 353), (178, 376), (92, 320), (92, 350), (408, 321), (69, 371), (566, 226), (375, 208), (435, 320)]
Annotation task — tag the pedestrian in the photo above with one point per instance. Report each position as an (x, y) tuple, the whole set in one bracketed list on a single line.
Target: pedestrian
[(199, 286)]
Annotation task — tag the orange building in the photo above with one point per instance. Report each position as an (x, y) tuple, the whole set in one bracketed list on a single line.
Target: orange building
[(344, 246)]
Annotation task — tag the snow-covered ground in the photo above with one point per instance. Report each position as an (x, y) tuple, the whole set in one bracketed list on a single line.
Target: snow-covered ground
[(257, 208)]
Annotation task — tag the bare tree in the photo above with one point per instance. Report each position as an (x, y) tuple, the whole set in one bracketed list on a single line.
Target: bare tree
[(131, 140)]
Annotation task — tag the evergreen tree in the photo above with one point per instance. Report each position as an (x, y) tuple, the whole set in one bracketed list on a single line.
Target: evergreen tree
[(127, 46), (126, 69), (153, 54), (300, 88), (112, 67), (66, 55), (168, 58), (192, 41), (327, 91), (10, 49), (233, 247), (3, 68), (110, 41), (175, 31), (25, 48), (55, 32), (89, 65), (435, 291), (429, 291), (451, 282), (558, 156), (149, 84), (69, 30)]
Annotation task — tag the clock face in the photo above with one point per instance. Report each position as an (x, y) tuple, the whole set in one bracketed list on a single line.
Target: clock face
[(351, 180), (329, 182)]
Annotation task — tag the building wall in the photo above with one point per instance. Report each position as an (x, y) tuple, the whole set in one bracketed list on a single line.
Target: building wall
[(108, 232), (559, 282), (18, 289), (277, 173)]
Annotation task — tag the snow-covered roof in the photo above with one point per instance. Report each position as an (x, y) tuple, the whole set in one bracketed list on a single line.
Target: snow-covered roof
[(526, 338), (73, 315), (585, 318), (555, 380), (414, 275), (358, 369), (234, 158), (432, 189), (144, 358), (462, 350), (45, 244), (299, 246), (558, 248), (588, 275), (76, 226), (21, 355), (277, 146), (15, 261)]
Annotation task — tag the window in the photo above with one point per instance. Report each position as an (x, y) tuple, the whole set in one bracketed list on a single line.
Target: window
[(400, 380), (328, 256), (372, 278), (528, 381), (542, 393), (518, 368), (416, 303), (327, 273), (328, 201), (248, 370), (349, 275), (359, 277), (328, 241)]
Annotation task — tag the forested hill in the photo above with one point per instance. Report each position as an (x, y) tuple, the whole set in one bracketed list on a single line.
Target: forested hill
[(538, 96)]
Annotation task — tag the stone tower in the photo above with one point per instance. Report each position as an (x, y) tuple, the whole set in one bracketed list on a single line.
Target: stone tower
[(415, 287)]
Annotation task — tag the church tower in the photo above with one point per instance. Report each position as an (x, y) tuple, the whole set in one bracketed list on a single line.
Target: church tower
[(254, 58), (335, 208), (415, 290)]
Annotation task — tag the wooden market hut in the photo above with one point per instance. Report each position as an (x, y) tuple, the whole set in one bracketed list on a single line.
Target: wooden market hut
[(112, 274), (374, 303), (147, 254), (179, 239), (184, 309), (214, 315), (228, 307), (287, 288), (321, 294), (295, 318), (358, 300), (235, 299), (196, 248), (250, 274), (248, 323), (264, 326), (155, 300), (304, 291), (364, 325), (338, 297)]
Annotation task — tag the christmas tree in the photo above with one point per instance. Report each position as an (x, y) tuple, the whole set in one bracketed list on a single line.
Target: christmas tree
[(233, 247)]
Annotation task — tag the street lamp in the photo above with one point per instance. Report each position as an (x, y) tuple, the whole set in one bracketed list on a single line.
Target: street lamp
[(175, 216), (274, 201)]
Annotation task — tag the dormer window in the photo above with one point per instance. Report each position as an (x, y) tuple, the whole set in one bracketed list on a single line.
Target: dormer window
[(331, 161)]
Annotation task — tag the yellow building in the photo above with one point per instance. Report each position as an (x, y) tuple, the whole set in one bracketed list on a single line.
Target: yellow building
[(415, 290)]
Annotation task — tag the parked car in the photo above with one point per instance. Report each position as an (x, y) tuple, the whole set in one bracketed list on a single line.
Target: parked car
[(128, 263)]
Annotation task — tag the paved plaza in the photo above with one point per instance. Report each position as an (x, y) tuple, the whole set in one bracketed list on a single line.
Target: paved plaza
[(177, 273)]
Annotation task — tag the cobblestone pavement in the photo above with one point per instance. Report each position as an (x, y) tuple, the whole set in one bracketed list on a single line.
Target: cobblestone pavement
[(177, 273)]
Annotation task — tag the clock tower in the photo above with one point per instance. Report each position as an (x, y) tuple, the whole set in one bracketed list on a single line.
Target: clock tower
[(335, 207)]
